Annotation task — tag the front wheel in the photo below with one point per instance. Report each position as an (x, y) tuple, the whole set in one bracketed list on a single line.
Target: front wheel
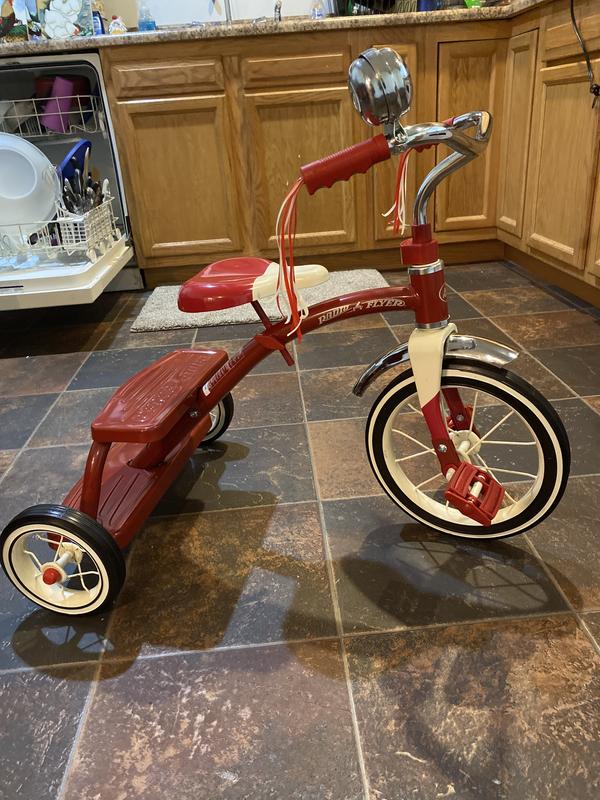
[(515, 435), (62, 559)]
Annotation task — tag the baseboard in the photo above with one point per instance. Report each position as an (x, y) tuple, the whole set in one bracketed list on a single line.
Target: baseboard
[(550, 274)]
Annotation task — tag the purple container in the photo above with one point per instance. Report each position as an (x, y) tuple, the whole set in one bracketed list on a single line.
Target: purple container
[(56, 112)]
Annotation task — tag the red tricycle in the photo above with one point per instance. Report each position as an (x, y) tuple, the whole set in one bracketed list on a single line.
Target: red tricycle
[(457, 441)]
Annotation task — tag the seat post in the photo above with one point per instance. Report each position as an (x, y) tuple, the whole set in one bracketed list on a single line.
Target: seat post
[(261, 314)]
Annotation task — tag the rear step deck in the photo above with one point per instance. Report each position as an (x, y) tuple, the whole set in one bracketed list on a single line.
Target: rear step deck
[(142, 440), (128, 495), (151, 402)]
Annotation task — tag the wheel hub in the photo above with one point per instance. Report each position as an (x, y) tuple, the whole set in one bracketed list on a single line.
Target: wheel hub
[(51, 576), (467, 444)]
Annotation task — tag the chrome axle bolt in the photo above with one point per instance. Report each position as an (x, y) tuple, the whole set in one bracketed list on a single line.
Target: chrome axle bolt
[(442, 448)]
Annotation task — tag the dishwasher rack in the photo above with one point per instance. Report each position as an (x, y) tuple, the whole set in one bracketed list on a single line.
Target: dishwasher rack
[(90, 234), (81, 113)]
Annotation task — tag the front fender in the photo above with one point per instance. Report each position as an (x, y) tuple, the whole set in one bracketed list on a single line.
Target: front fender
[(472, 347)]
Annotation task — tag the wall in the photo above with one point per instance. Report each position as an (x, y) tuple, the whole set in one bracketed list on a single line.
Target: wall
[(173, 12)]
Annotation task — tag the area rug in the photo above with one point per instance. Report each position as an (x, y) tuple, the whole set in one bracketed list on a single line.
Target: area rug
[(160, 312)]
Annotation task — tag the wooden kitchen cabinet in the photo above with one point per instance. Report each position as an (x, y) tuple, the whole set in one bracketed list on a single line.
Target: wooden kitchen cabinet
[(593, 254), (470, 79), (289, 128), (514, 147), (177, 158), (563, 157)]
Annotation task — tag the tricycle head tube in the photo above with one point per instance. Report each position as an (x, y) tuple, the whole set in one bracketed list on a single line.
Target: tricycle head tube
[(429, 283)]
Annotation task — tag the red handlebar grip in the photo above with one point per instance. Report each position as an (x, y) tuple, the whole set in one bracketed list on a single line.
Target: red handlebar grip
[(343, 165)]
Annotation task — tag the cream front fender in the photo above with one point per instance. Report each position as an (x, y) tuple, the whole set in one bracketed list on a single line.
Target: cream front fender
[(456, 345)]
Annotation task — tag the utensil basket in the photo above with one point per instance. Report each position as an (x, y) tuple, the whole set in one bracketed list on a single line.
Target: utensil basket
[(90, 234)]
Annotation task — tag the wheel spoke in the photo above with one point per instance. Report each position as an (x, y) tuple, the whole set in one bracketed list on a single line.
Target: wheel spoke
[(474, 409), (424, 483), (80, 576), (56, 556), (511, 444), (489, 433), (485, 466), (51, 542), (414, 455), (515, 472), (34, 558), (412, 439)]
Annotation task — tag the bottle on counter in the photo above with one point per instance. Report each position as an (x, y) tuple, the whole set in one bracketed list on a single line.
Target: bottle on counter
[(116, 25), (317, 10), (146, 21)]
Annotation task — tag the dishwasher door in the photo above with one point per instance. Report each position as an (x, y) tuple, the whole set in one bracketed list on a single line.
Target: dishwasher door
[(54, 267)]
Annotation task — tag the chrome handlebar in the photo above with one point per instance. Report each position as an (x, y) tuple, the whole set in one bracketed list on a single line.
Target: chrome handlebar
[(453, 134)]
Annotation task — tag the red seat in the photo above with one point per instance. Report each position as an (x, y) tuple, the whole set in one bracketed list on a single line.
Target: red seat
[(224, 284), (235, 281)]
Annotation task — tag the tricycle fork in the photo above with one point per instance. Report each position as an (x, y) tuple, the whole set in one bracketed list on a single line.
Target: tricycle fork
[(426, 348)]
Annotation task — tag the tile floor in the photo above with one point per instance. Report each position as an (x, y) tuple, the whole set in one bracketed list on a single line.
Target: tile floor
[(302, 638)]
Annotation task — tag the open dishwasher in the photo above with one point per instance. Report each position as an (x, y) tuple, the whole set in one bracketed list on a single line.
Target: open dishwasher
[(72, 254)]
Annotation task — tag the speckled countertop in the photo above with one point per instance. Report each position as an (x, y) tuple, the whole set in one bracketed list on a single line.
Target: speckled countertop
[(290, 25)]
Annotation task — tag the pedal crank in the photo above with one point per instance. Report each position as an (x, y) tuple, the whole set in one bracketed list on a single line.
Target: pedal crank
[(475, 493)]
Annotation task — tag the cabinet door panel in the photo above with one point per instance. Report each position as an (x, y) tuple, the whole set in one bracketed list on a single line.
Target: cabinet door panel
[(179, 172), (384, 174), (469, 80), (514, 156), (593, 257), (289, 129), (563, 157)]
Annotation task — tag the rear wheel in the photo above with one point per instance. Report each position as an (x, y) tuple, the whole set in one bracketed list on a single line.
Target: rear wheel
[(220, 419), (62, 559), (515, 435)]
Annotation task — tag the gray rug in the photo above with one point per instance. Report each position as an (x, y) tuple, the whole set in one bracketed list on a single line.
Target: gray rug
[(160, 312)]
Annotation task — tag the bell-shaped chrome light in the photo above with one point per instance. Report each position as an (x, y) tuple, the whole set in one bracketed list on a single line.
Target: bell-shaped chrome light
[(380, 86)]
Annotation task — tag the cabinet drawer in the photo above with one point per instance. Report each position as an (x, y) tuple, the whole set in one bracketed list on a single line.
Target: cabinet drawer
[(559, 40), (316, 68), (189, 76)]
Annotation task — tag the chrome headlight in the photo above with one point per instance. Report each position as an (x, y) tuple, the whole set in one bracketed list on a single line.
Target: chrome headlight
[(380, 86)]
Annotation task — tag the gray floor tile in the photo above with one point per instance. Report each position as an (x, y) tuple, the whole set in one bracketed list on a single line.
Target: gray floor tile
[(233, 577), (579, 366), (392, 572), (113, 367), (501, 710), (70, 420), (19, 417), (583, 429), (38, 374), (249, 467), (258, 723), (566, 541), (344, 348), (40, 476), (521, 300), (555, 329), (267, 400), (38, 729), (489, 275)]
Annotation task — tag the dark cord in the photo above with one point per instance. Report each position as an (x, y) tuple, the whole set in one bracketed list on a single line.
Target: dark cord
[(594, 87)]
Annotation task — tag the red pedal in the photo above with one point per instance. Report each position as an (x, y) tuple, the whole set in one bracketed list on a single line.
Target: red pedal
[(482, 508)]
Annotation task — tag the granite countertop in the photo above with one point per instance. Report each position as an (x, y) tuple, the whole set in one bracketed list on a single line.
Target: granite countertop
[(246, 28)]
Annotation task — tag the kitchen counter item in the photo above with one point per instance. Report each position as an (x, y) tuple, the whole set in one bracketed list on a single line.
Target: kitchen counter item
[(29, 185), (289, 25)]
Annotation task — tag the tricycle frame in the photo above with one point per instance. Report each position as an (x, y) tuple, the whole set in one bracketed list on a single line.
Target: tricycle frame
[(425, 296)]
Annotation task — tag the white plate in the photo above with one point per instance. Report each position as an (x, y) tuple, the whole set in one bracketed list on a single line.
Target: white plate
[(29, 187)]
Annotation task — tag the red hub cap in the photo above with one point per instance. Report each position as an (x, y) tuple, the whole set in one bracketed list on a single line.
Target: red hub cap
[(51, 576)]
